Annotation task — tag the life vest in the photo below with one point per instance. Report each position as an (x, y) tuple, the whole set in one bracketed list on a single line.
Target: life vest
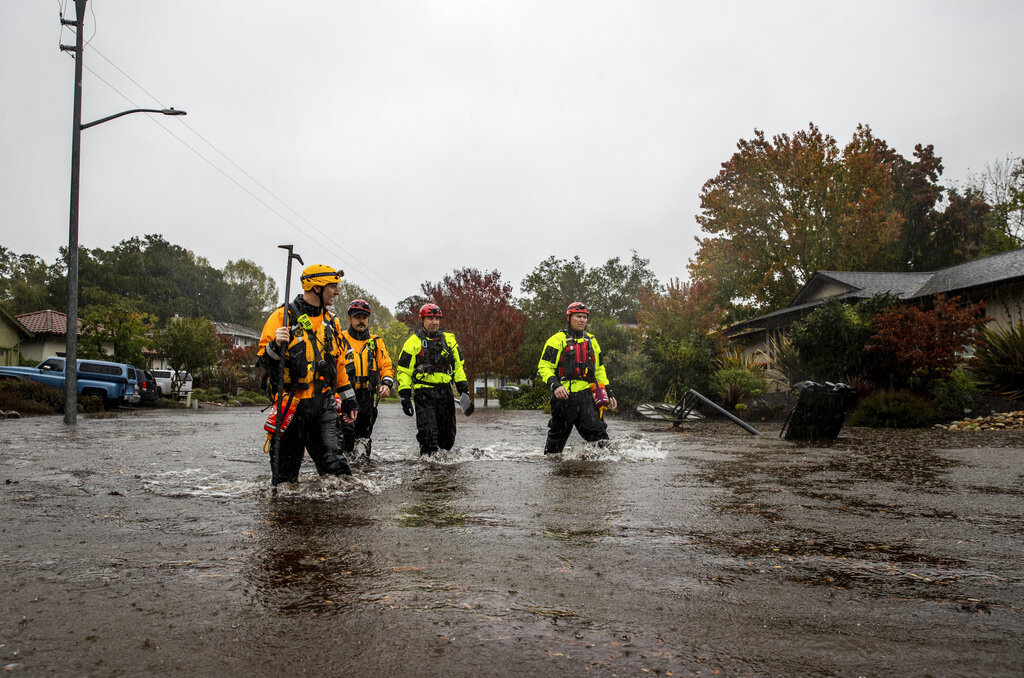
[(311, 355), (435, 355), (362, 366), (576, 360)]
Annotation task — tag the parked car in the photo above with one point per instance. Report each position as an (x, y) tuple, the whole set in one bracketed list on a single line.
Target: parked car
[(135, 380), (510, 388), (147, 388), (114, 383), (164, 387)]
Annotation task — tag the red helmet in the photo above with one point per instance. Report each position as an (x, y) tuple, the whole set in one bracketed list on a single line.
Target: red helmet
[(430, 310), (358, 306), (577, 307)]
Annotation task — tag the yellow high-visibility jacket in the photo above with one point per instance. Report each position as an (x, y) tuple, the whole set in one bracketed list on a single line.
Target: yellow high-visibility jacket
[(415, 367), (558, 364)]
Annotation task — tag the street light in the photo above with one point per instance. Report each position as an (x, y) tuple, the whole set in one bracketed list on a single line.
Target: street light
[(71, 347)]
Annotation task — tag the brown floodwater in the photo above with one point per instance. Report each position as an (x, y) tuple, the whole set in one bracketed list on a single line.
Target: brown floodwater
[(149, 544)]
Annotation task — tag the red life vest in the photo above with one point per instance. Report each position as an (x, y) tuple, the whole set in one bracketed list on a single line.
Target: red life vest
[(577, 359)]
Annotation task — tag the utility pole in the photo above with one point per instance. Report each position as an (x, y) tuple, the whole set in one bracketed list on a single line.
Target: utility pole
[(71, 348)]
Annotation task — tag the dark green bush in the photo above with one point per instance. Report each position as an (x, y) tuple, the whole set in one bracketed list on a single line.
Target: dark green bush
[(954, 396), (631, 381), (893, 409), (29, 397), (735, 384), (831, 339), (998, 362), (534, 397)]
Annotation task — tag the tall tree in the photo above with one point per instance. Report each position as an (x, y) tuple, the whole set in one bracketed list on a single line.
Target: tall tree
[(120, 326), (612, 291), (478, 309), (347, 291), (253, 293), (23, 281), (188, 344), (1002, 185), (781, 209)]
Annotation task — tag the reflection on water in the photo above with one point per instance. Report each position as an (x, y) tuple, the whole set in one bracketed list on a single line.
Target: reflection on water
[(438, 488), (303, 561)]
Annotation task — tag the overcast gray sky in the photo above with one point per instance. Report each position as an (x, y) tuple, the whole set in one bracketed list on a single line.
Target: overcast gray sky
[(403, 140)]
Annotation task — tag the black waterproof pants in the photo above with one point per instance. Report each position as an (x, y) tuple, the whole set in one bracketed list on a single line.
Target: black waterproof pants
[(362, 427), (313, 430), (435, 418), (579, 411)]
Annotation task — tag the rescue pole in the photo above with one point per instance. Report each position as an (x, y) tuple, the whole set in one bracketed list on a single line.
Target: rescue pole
[(275, 443)]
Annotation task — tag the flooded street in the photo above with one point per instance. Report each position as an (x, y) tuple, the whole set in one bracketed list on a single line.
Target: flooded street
[(149, 544)]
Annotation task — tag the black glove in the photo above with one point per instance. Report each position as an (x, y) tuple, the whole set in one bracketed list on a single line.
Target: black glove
[(461, 387), (406, 402)]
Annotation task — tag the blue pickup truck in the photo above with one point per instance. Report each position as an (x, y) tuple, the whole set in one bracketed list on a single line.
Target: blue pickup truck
[(115, 383)]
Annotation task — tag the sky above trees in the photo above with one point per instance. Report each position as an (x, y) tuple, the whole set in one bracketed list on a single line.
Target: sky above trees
[(418, 138)]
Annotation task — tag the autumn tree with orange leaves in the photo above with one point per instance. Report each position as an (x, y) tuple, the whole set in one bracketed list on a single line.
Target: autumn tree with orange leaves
[(783, 208), (478, 309)]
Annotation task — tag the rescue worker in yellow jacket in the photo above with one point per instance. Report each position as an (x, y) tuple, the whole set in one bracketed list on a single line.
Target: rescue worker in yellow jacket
[(370, 373), (304, 334), (430, 362), (570, 364)]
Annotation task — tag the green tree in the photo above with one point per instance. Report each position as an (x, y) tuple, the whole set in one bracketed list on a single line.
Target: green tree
[(188, 344), (380, 317), (831, 339), (126, 330), (252, 292), (678, 340), (23, 281), (613, 291)]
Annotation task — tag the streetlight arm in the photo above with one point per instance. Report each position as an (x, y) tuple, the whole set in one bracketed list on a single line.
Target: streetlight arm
[(165, 111)]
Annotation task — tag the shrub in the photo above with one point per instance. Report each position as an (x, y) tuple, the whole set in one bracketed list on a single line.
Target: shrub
[(785, 365), (831, 338), (735, 384), (893, 409), (534, 397), (30, 397), (632, 383), (954, 396), (916, 347), (998, 362)]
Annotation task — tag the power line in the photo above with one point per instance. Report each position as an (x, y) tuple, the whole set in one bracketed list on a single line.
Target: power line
[(366, 270)]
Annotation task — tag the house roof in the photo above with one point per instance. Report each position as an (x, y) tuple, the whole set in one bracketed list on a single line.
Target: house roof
[(1003, 268), (233, 330), (13, 319), (47, 322), (999, 268)]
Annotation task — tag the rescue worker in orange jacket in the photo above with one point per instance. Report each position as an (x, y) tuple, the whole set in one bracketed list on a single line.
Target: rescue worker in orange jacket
[(370, 373), (304, 334), (429, 364), (571, 365)]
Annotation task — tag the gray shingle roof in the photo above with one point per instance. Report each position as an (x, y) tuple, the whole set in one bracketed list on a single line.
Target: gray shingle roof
[(999, 268), (978, 273)]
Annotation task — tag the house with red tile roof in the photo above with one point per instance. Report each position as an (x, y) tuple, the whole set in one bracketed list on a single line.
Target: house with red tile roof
[(12, 335), (49, 334)]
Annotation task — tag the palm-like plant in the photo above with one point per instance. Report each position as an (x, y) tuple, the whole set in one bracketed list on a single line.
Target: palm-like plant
[(998, 363)]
